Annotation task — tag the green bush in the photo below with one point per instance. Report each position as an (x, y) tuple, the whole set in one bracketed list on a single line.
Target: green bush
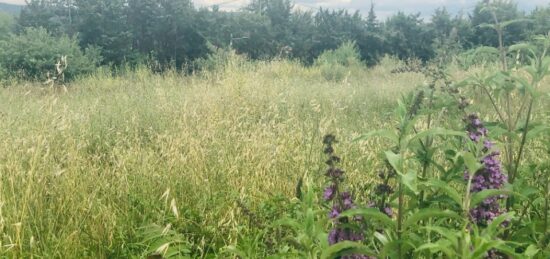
[(6, 25), (34, 53), (335, 64)]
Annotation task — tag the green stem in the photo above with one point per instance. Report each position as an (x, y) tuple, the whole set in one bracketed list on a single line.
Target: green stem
[(400, 221), (514, 165), (493, 102), (546, 207)]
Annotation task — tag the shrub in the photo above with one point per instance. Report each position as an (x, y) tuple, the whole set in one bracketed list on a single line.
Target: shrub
[(6, 25), (335, 64), (34, 53)]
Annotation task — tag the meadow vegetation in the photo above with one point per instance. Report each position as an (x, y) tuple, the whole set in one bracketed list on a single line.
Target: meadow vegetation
[(84, 169), (437, 148), (201, 165)]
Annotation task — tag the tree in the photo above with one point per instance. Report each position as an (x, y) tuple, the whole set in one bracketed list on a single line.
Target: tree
[(372, 46), (505, 10), (6, 25), (56, 16), (103, 23), (408, 37), (541, 22)]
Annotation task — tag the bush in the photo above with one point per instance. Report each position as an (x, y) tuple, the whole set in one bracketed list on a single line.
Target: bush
[(6, 25), (335, 64), (34, 53)]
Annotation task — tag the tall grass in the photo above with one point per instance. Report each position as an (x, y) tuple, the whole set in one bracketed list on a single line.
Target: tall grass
[(83, 170)]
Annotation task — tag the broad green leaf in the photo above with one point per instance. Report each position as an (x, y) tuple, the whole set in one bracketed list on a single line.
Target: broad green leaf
[(487, 26), (437, 132), (288, 223), (370, 213), (390, 135), (496, 225), (449, 234), (471, 162), (346, 248), (504, 248), (523, 47), (531, 251), (382, 238), (514, 21), (429, 213), (479, 197), (395, 160), (482, 249), (444, 246), (410, 180), (445, 188)]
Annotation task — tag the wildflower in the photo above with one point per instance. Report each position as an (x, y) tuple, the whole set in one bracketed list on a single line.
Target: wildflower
[(341, 201), (490, 176), (329, 192)]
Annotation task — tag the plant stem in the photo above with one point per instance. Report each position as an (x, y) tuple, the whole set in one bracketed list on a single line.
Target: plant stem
[(546, 206), (400, 221), (494, 104), (515, 164)]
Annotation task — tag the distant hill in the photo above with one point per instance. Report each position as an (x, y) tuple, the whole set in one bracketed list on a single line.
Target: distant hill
[(10, 8)]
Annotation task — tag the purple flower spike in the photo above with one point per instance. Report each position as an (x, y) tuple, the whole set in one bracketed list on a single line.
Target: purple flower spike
[(341, 201), (490, 176), (329, 193)]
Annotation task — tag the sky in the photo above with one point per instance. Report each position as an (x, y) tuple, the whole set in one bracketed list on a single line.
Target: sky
[(383, 8)]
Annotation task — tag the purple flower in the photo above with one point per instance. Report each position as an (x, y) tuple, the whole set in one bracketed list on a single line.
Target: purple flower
[(388, 211), (335, 212), (329, 193), (347, 201), (341, 201), (490, 176)]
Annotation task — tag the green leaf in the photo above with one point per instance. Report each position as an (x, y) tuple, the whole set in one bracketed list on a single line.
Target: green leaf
[(395, 160), (449, 234), (471, 162), (429, 213), (370, 213), (436, 132), (523, 46), (410, 180), (445, 188), (390, 135), (531, 251), (382, 238), (514, 21), (346, 248), (479, 197), (496, 224)]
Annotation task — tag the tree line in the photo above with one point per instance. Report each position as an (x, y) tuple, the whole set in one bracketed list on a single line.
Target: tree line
[(172, 33)]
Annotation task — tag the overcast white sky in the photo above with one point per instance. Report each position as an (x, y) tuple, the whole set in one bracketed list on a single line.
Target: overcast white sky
[(383, 7)]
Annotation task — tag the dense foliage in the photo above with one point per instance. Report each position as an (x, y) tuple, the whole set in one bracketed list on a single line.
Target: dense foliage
[(174, 33), (34, 53)]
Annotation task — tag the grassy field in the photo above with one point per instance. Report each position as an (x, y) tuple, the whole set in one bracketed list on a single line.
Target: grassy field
[(85, 169)]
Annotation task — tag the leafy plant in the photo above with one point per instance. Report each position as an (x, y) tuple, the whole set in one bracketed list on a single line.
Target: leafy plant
[(34, 54)]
